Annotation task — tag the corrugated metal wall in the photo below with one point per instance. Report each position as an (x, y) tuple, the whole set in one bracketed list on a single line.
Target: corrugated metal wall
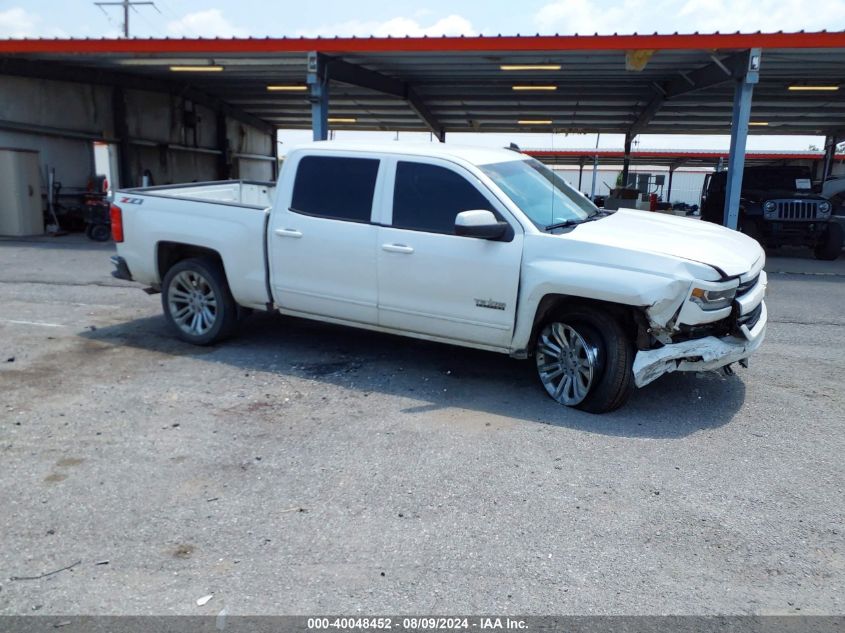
[(61, 120), (686, 183)]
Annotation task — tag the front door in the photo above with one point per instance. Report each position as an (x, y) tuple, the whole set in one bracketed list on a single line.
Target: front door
[(434, 282)]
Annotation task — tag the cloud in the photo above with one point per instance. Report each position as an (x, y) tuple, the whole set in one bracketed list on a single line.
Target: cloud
[(17, 22), (763, 15), (582, 16), (209, 23), (394, 27), (668, 16)]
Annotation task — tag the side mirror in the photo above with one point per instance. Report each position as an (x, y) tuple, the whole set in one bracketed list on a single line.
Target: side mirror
[(479, 223)]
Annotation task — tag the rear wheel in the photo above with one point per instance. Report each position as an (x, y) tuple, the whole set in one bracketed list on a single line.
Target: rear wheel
[(584, 360), (197, 302), (99, 232), (830, 244)]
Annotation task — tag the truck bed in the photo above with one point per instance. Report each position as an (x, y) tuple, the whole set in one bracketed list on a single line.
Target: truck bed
[(235, 192), (228, 218)]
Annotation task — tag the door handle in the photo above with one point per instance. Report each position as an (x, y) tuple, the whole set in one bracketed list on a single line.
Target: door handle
[(288, 233), (397, 248)]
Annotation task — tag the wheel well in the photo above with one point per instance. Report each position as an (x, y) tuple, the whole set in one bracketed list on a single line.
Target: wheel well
[(170, 253), (631, 318)]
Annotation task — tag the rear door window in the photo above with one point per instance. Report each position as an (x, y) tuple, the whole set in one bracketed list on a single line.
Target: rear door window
[(428, 197), (335, 187)]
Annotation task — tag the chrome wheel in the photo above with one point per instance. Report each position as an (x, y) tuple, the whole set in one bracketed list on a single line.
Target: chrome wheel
[(192, 303), (566, 363)]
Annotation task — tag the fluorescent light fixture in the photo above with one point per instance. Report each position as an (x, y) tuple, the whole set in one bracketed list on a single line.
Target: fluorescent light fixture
[(798, 88), (758, 123), (342, 120), (529, 67), (529, 87), (196, 69), (534, 122), (288, 88)]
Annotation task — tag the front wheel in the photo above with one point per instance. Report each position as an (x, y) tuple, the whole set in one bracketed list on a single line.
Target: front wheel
[(830, 244), (197, 302), (584, 360)]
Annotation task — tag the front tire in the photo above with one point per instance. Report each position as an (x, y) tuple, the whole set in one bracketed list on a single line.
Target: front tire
[(197, 303), (830, 245), (584, 360)]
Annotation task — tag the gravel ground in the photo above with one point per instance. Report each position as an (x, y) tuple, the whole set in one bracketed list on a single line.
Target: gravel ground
[(304, 468)]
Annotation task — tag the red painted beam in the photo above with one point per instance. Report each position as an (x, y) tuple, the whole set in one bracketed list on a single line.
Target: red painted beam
[(668, 154), (539, 43)]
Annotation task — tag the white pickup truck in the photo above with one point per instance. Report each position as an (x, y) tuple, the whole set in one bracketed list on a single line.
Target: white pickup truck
[(483, 248)]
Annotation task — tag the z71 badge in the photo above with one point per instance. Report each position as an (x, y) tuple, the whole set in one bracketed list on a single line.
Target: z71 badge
[(489, 303), (126, 200)]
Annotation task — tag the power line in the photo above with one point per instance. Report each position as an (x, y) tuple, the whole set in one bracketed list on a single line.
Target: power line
[(126, 4)]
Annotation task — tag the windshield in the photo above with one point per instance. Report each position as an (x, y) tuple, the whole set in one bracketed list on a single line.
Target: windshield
[(540, 193)]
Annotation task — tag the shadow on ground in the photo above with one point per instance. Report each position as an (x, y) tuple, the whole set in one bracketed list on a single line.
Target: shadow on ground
[(71, 241), (441, 376)]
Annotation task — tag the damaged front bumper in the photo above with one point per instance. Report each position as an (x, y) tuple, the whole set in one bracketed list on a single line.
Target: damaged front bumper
[(701, 354)]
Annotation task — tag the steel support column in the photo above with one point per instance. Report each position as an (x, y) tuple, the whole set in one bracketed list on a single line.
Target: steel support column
[(580, 172), (829, 156), (319, 82), (626, 161), (595, 175), (121, 131), (275, 153), (669, 186), (223, 166), (743, 92)]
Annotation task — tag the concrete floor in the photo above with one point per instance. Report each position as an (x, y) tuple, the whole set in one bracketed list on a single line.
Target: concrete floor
[(302, 468)]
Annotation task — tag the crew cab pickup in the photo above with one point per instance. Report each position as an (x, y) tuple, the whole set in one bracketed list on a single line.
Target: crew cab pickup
[(483, 248)]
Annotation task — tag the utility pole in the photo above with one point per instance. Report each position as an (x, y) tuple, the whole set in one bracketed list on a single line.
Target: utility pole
[(126, 4)]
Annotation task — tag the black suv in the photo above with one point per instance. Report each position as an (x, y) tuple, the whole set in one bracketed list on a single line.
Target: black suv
[(777, 207)]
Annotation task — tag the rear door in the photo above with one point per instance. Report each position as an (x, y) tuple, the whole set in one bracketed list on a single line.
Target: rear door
[(432, 281), (322, 240)]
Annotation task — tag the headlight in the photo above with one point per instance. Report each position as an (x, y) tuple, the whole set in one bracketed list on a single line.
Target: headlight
[(824, 207), (770, 206), (712, 299)]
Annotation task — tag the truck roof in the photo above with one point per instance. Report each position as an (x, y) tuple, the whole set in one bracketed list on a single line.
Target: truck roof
[(473, 154)]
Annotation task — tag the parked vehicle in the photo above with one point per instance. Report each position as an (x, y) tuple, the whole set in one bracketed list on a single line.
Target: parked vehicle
[(834, 190), (777, 208), (483, 248)]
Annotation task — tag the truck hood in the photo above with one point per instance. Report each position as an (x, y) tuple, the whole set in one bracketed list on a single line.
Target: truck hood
[(729, 252)]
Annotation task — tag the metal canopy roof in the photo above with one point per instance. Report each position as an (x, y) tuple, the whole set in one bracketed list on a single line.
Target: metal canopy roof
[(670, 157), (683, 84)]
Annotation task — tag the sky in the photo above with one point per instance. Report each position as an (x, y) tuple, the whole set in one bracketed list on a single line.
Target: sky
[(240, 18)]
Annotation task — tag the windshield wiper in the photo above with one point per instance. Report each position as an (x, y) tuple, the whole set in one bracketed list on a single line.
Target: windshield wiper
[(562, 225), (598, 215), (568, 223)]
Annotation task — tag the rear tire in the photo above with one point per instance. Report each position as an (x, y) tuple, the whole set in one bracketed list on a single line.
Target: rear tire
[(99, 232), (197, 302), (830, 245), (584, 360)]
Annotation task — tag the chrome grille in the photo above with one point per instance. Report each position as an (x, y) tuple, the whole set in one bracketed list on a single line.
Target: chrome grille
[(745, 286), (797, 209), (750, 319)]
